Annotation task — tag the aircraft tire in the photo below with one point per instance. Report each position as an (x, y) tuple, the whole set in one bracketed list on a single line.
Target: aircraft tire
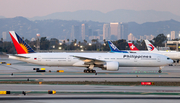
[(85, 71), (94, 71), (160, 71)]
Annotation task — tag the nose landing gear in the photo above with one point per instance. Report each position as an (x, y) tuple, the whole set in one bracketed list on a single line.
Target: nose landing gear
[(160, 70)]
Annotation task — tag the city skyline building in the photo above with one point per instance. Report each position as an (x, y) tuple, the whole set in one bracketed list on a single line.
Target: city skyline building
[(124, 30), (4, 35), (84, 31), (106, 31), (75, 32), (130, 37), (173, 36), (115, 30)]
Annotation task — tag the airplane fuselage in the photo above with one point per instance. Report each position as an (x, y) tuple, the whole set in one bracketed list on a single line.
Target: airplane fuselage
[(68, 59), (171, 54)]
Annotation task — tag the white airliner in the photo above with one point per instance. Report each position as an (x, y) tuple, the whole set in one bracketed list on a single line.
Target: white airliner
[(174, 55), (171, 54), (105, 61)]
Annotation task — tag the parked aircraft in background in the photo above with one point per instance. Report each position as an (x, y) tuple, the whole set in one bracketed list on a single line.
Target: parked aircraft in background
[(174, 55), (132, 47), (105, 61), (113, 48)]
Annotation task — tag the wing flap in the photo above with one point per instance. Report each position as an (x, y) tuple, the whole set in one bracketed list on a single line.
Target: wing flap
[(88, 60)]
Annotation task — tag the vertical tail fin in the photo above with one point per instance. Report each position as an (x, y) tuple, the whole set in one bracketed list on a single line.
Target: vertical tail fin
[(20, 45), (150, 46), (113, 48), (132, 47)]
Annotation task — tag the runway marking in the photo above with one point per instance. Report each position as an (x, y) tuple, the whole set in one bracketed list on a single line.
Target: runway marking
[(10, 67)]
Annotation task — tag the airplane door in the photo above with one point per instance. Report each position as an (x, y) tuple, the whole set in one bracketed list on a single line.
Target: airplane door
[(135, 60), (158, 59), (39, 58), (99, 57), (69, 59)]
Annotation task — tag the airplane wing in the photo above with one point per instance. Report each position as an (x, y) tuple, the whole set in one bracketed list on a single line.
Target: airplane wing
[(88, 60)]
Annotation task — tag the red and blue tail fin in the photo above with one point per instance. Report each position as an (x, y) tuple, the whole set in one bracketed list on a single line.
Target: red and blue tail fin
[(150, 46), (20, 45)]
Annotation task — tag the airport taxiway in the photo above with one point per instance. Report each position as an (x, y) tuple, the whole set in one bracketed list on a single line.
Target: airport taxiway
[(23, 71)]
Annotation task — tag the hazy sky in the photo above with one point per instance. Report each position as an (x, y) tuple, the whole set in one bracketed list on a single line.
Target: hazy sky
[(31, 8)]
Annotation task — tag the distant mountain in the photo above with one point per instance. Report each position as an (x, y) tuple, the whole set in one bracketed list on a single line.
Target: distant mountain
[(2, 17), (116, 15), (61, 29), (154, 28)]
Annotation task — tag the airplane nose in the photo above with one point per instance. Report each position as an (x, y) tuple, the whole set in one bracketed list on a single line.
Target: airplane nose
[(171, 61)]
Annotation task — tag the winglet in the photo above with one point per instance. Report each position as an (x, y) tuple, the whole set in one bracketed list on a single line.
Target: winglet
[(150, 46), (113, 48), (20, 45), (132, 47)]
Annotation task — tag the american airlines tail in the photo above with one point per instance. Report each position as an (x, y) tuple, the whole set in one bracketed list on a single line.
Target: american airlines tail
[(113, 48), (150, 46), (132, 47), (20, 45)]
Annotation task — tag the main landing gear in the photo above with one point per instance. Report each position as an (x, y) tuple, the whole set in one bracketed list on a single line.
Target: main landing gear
[(160, 70), (90, 69)]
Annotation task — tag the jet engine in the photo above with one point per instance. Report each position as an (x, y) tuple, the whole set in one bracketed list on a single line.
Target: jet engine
[(111, 66)]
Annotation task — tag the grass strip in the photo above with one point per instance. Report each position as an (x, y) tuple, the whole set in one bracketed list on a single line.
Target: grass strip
[(120, 93), (89, 83)]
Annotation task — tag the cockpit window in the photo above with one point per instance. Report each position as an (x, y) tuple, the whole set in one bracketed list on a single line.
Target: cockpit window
[(168, 58)]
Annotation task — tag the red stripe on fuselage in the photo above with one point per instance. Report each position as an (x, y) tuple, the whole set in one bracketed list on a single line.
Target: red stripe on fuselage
[(19, 49)]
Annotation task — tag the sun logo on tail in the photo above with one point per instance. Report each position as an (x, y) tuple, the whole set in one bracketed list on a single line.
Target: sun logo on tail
[(25, 48)]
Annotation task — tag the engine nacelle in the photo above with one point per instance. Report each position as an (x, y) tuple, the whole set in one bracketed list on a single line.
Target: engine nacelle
[(111, 66)]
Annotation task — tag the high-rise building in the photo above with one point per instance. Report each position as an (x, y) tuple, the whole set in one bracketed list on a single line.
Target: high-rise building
[(141, 37), (173, 35), (151, 37), (76, 32), (131, 37), (84, 31), (106, 32), (146, 37), (124, 30), (4, 35), (90, 32), (115, 31)]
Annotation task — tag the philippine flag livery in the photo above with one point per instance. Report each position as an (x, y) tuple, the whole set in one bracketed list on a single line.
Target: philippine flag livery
[(20, 45)]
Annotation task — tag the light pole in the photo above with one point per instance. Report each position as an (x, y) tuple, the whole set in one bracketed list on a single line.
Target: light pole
[(168, 36), (38, 42)]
